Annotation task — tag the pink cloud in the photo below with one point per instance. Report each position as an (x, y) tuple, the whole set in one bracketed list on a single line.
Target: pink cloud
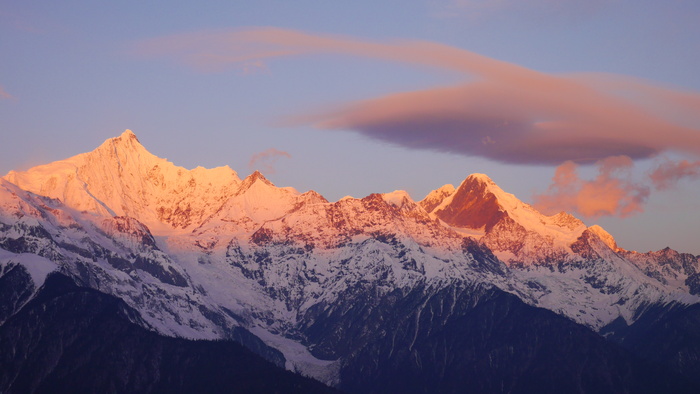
[(669, 173), (524, 116), (220, 50), (265, 161), (253, 67), (611, 193), (4, 94), (523, 124)]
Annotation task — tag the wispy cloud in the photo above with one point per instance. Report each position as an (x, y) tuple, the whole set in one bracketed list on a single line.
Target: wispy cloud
[(253, 67), (523, 115), (265, 161), (4, 94), (612, 192), (667, 174)]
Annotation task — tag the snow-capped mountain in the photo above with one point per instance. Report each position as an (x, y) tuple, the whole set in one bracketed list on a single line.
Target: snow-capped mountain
[(121, 178), (305, 282), (583, 273)]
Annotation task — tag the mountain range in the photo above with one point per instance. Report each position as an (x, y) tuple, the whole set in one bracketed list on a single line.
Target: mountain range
[(467, 290)]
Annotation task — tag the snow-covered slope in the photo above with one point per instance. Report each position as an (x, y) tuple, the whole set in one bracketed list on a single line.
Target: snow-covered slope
[(201, 254), (121, 178), (573, 270), (515, 231)]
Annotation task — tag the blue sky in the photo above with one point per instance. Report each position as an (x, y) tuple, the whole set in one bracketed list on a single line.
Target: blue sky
[(74, 74)]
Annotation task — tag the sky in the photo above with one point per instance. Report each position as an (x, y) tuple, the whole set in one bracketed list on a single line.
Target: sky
[(586, 106)]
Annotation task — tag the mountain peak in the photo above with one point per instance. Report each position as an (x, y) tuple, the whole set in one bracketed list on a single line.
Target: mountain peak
[(479, 204), (127, 141), (483, 178), (122, 178), (604, 236), (437, 196), (257, 175), (252, 179), (128, 134), (473, 205), (397, 198)]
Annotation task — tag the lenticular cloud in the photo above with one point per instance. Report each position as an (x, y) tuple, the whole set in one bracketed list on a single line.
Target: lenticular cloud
[(502, 111)]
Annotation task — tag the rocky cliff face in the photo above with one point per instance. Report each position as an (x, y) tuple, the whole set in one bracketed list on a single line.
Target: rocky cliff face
[(331, 288)]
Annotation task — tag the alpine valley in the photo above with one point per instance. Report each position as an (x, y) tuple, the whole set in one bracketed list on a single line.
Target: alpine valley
[(121, 272)]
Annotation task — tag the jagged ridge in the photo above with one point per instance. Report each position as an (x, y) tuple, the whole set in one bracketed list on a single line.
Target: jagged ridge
[(202, 254)]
